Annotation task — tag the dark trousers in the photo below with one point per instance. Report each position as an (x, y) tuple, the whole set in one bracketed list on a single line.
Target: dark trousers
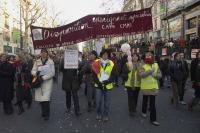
[(178, 91), (132, 98), (45, 108), (23, 95), (103, 97), (7, 107), (182, 91), (91, 94), (116, 80), (152, 106), (196, 98), (72, 93)]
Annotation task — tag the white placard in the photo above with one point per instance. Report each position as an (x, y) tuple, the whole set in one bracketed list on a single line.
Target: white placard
[(44, 70), (71, 59), (99, 46), (37, 51)]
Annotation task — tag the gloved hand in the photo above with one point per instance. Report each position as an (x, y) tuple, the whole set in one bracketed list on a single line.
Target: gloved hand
[(154, 75)]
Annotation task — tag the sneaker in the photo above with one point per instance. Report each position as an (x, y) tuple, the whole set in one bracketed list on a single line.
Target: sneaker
[(98, 117), (105, 119), (182, 102), (144, 115), (155, 123)]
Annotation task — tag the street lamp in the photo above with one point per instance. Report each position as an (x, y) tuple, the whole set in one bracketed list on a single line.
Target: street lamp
[(21, 38)]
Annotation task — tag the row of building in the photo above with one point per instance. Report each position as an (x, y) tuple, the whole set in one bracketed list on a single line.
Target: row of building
[(172, 19), (15, 15)]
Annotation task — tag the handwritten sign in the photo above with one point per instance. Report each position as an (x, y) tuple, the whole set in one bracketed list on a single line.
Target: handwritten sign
[(194, 52), (71, 59), (164, 51), (91, 27)]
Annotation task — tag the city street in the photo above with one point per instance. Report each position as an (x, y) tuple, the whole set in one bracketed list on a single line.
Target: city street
[(172, 120)]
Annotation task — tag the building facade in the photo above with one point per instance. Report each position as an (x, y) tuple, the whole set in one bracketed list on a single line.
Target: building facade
[(9, 26), (182, 17)]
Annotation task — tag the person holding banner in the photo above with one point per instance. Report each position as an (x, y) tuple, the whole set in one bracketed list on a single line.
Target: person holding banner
[(88, 78), (104, 84), (70, 82), (44, 67), (132, 82)]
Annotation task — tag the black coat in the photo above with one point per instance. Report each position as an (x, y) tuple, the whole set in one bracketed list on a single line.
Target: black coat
[(70, 79), (23, 80), (178, 71), (195, 70), (6, 81)]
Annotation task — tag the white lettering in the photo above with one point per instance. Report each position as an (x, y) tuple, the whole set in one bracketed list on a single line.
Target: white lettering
[(46, 34)]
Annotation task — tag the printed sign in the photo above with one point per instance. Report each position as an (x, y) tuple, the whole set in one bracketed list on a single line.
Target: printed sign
[(71, 59)]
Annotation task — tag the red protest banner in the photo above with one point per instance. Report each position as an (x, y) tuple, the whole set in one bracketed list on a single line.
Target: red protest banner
[(91, 27)]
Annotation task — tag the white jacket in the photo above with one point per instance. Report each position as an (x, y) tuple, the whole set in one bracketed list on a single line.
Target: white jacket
[(44, 92)]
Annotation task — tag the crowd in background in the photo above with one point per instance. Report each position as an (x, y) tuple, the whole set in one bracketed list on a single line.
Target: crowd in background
[(147, 74)]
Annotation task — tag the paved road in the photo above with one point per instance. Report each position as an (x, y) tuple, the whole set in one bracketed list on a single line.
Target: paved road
[(172, 120)]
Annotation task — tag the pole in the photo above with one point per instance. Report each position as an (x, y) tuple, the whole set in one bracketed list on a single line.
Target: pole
[(21, 38)]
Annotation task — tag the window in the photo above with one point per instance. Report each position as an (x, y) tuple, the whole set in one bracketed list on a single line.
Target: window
[(192, 23)]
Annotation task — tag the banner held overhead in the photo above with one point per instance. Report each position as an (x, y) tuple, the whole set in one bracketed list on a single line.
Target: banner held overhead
[(91, 27)]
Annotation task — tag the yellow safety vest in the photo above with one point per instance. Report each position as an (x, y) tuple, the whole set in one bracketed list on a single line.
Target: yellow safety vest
[(107, 70), (149, 82), (132, 79)]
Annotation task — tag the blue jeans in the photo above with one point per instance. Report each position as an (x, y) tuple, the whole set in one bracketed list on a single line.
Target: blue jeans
[(103, 96)]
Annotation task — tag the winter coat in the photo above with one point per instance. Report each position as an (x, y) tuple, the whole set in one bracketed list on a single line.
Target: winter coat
[(44, 92), (23, 81), (70, 79), (195, 70), (178, 71), (6, 81)]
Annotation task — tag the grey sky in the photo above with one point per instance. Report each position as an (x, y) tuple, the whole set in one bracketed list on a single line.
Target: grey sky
[(75, 9)]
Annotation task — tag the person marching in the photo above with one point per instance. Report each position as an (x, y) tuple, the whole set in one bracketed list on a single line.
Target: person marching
[(6, 84), (23, 83), (195, 78), (44, 66), (70, 84), (132, 83), (104, 84), (88, 79), (178, 74), (150, 73)]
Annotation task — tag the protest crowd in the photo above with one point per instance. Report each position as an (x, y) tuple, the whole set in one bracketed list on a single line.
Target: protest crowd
[(25, 77)]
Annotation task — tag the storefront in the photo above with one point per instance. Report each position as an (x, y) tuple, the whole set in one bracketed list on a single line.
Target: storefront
[(175, 27), (192, 24)]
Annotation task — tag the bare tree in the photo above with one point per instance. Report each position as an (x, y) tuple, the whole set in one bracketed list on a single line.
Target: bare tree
[(110, 5), (141, 4), (31, 12), (54, 17)]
